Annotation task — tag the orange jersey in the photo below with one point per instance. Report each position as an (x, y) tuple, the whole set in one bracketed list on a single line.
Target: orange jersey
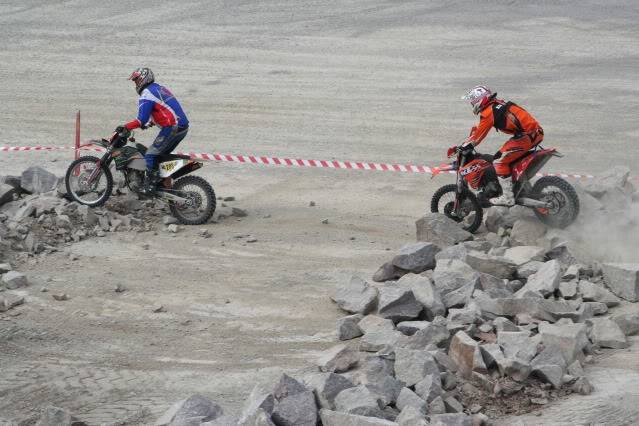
[(504, 117)]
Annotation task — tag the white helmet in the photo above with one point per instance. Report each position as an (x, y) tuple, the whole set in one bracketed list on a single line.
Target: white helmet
[(479, 97), (142, 77)]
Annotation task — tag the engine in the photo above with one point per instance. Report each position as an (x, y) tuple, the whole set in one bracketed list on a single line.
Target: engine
[(134, 180)]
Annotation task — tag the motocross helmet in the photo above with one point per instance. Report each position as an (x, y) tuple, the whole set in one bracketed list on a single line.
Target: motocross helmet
[(479, 97), (142, 77)]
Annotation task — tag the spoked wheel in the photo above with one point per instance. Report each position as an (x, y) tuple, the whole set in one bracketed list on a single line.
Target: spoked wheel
[(562, 200), (200, 204), (88, 182), (470, 213)]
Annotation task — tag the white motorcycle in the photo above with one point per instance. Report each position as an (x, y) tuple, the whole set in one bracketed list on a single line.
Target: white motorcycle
[(89, 181)]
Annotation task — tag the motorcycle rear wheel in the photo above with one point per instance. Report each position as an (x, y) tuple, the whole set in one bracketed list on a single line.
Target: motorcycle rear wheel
[(201, 204), (78, 187), (443, 201), (562, 197)]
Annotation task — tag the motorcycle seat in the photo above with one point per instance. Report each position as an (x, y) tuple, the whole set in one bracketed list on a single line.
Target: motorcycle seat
[(171, 156)]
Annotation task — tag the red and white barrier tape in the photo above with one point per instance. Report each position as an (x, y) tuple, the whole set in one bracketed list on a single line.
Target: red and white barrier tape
[(292, 162)]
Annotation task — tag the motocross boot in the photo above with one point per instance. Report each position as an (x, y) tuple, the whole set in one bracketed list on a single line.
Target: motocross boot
[(151, 180), (507, 197)]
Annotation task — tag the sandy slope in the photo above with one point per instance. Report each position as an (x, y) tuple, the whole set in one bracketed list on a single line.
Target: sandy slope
[(362, 80)]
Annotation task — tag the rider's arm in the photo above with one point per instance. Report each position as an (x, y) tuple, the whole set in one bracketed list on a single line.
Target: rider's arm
[(145, 106), (479, 132)]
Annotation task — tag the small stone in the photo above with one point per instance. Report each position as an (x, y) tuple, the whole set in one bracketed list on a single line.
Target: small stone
[(159, 308), (204, 233), (173, 228), (251, 240), (60, 296), (539, 401), (119, 288), (169, 220), (582, 386), (14, 279), (311, 204), (237, 212), (325, 221), (230, 198)]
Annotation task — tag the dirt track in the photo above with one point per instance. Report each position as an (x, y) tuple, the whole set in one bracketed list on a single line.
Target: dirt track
[(359, 80)]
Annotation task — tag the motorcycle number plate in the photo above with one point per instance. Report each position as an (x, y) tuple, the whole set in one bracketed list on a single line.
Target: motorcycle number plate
[(169, 167)]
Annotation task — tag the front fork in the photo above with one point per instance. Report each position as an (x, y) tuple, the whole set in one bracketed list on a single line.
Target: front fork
[(461, 161), (106, 159)]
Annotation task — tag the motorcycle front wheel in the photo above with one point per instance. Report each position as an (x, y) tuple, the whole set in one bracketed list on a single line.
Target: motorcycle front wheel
[(470, 214), (562, 200), (200, 204), (87, 183)]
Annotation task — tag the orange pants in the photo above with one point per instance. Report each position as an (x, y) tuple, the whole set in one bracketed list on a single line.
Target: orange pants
[(514, 149)]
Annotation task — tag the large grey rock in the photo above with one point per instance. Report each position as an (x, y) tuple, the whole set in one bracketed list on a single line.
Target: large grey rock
[(258, 418), (334, 418), (425, 293), (356, 296), (491, 354), (534, 307), (521, 255), (14, 279), (466, 354), (259, 401), (358, 400), (517, 344), (37, 180), (417, 257), (458, 252), (411, 416), (526, 232), (185, 412), (571, 339), (451, 274), (451, 419), (434, 334), (386, 389), (623, 279), (544, 282), (337, 359), (7, 193), (412, 365), (326, 386), (628, 322), (591, 292), (387, 272), (347, 327), (440, 230), (379, 340), (408, 398), (496, 266), (296, 410), (9, 300), (294, 403), (549, 365), (527, 269), (606, 333), (374, 368), (372, 323), (222, 421), (461, 296), (429, 388), (54, 416), (398, 304)]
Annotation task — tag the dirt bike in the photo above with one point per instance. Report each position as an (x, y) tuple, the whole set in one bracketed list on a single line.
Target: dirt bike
[(89, 181), (552, 199)]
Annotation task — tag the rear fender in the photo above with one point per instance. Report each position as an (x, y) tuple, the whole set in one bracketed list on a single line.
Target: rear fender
[(187, 168), (531, 164)]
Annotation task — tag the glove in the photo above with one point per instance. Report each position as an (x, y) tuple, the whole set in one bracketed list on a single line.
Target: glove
[(122, 131)]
